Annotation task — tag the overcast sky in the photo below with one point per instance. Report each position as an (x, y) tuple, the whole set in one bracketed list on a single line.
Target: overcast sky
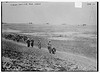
[(49, 12)]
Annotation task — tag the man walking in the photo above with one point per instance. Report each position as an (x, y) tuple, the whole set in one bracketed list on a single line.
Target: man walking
[(28, 43), (39, 44), (49, 47), (32, 43)]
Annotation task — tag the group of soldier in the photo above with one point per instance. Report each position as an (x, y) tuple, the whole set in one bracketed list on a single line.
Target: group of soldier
[(30, 43)]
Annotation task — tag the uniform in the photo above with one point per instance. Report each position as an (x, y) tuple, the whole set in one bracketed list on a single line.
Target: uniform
[(39, 44), (53, 51), (28, 43), (32, 43), (50, 47)]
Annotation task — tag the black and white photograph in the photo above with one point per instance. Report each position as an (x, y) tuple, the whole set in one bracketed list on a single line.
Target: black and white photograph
[(49, 36)]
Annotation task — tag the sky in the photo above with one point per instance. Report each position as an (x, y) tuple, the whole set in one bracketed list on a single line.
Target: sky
[(49, 12)]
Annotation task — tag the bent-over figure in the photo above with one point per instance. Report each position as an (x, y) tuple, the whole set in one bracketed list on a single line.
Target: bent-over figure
[(53, 50)]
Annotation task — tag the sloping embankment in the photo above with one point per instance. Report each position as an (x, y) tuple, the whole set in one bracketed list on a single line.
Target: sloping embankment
[(17, 57)]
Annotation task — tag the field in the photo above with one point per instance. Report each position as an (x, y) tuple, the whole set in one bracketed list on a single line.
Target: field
[(75, 45)]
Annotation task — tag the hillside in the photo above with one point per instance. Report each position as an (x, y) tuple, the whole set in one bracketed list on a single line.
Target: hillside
[(18, 57)]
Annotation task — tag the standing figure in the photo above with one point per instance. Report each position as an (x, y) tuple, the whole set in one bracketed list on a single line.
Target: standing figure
[(49, 47), (28, 43), (32, 43), (25, 38), (39, 44)]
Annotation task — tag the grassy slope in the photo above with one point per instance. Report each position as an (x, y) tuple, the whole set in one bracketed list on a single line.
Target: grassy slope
[(41, 60)]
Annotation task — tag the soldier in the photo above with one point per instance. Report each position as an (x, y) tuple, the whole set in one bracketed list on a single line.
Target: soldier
[(49, 47), (28, 43), (53, 51), (39, 44), (25, 38), (18, 38), (32, 43)]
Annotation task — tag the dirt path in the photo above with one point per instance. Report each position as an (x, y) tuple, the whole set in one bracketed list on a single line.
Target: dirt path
[(81, 61)]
